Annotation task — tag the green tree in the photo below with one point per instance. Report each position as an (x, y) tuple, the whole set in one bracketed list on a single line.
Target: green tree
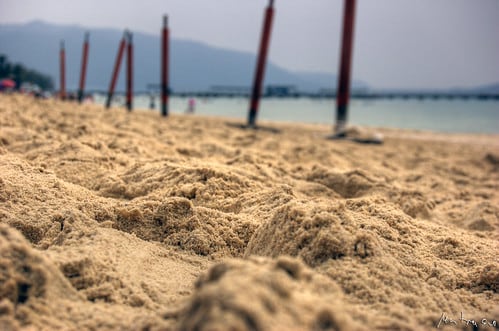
[(21, 74)]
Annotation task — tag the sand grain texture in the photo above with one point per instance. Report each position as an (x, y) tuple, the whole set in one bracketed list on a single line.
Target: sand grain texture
[(127, 221)]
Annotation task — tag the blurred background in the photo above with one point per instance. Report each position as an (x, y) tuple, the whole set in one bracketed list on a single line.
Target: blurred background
[(400, 46)]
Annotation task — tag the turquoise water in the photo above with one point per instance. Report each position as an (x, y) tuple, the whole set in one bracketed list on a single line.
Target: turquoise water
[(471, 116)]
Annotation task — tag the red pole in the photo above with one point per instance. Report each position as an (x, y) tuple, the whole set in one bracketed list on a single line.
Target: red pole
[(260, 67), (164, 67), (83, 71), (62, 62), (116, 70), (129, 74), (343, 92)]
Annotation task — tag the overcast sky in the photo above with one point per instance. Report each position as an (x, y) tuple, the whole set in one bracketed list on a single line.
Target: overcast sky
[(398, 43)]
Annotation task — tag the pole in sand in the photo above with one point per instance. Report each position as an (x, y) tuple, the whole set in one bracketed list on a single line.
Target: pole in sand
[(343, 92), (62, 68), (83, 71), (129, 73), (116, 70), (164, 67), (260, 67)]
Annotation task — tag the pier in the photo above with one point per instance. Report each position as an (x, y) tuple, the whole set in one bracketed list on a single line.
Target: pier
[(290, 91)]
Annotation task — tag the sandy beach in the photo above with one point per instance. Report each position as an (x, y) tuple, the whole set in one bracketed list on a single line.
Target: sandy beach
[(128, 221)]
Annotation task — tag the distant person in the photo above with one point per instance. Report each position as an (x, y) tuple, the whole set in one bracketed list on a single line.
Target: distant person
[(191, 106), (152, 104), (89, 98)]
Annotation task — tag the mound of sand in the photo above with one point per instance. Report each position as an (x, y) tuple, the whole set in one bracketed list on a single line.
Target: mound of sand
[(284, 295), (124, 221)]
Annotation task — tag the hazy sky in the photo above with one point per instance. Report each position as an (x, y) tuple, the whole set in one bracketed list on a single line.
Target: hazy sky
[(398, 43)]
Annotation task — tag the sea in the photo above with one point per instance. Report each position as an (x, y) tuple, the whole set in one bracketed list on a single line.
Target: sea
[(439, 115)]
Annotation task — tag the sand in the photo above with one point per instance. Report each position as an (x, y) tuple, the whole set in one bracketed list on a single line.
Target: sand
[(128, 221)]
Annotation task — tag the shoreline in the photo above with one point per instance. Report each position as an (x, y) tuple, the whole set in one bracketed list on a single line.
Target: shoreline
[(327, 129), (467, 116)]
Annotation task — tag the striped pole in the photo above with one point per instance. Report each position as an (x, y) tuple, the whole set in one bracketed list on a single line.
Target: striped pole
[(83, 71), (116, 70), (62, 69), (343, 92), (260, 67), (164, 67), (129, 73)]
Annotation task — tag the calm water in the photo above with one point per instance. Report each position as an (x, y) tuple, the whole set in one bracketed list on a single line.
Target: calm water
[(436, 115)]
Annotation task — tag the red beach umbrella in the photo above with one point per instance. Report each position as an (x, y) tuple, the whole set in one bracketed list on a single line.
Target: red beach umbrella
[(343, 93), (260, 66), (7, 83), (164, 66)]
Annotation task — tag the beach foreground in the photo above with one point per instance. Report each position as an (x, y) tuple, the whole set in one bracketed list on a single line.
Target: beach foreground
[(128, 221)]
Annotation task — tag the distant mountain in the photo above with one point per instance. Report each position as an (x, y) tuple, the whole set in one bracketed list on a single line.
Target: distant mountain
[(194, 66)]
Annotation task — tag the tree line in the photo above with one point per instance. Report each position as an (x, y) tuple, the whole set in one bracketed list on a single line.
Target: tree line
[(20, 74)]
